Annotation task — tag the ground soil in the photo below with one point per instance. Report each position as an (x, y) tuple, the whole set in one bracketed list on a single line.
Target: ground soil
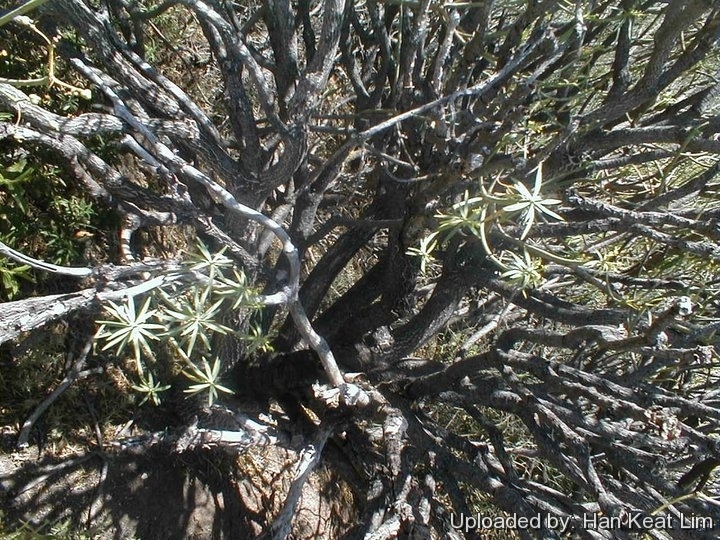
[(116, 497), (157, 495)]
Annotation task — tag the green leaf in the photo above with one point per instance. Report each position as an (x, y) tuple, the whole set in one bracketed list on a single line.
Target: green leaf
[(150, 389), (126, 326), (207, 380), (195, 320)]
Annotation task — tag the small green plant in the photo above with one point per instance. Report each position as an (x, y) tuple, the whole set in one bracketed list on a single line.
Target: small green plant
[(531, 205), (256, 340), (514, 206), (523, 272), (128, 326), (149, 389), (425, 251), (10, 276), (182, 316), (43, 216), (193, 318), (12, 189), (206, 380), (464, 217), (13, 178)]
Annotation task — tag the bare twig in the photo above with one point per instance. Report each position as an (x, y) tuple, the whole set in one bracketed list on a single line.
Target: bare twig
[(309, 458), (75, 374)]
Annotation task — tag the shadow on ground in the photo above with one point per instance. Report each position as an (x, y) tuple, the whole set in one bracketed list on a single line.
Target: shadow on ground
[(156, 495), (146, 497)]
